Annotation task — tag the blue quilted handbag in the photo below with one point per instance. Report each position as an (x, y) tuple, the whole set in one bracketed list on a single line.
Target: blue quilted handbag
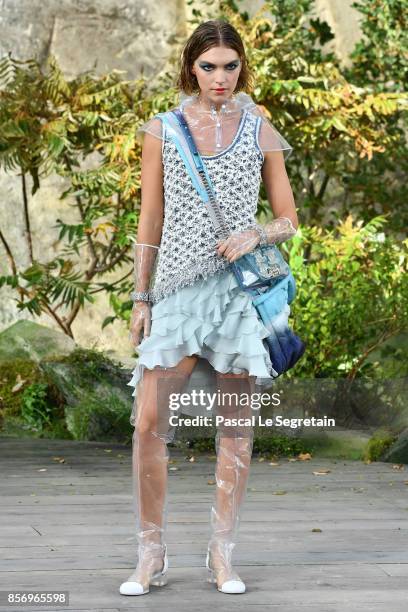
[(263, 272), (284, 346)]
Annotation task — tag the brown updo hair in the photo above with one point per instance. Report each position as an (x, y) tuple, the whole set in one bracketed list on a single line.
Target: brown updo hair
[(213, 33)]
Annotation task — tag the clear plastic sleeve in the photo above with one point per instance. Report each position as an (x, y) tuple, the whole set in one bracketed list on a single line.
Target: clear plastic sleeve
[(144, 270), (144, 266)]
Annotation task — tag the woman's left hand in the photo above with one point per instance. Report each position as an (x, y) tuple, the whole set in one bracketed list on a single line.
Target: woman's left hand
[(238, 244)]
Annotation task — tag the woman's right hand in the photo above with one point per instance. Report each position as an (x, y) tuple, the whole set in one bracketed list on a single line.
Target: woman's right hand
[(140, 321)]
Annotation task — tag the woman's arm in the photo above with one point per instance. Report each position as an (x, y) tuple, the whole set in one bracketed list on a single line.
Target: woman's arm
[(277, 185), (151, 213), (148, 235)]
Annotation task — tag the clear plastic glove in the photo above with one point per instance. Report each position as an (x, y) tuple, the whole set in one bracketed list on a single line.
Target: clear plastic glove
[(140, 322), (238, 244), (278, 230)]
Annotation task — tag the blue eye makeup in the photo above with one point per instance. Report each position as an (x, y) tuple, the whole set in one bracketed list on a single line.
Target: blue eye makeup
[(207, 66)]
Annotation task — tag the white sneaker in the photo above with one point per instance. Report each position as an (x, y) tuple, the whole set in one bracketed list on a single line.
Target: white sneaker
[(158, 579)]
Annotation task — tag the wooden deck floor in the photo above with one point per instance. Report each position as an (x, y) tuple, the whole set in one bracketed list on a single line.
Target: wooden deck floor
[(68, 526)]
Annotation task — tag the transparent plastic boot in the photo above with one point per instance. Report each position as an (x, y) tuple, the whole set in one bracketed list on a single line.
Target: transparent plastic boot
[(234, 445), (150, 458)]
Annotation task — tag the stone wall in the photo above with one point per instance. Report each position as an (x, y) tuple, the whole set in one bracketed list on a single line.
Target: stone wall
[(136, 36)]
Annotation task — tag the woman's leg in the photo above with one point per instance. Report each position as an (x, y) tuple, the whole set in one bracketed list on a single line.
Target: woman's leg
[(234, 445), (152, 433)]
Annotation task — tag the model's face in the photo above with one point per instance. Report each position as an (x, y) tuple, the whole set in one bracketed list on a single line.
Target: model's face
[(217, 68)]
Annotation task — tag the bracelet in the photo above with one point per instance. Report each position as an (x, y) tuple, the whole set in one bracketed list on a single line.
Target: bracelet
[(140, 296), (262, 233), (144, 244)]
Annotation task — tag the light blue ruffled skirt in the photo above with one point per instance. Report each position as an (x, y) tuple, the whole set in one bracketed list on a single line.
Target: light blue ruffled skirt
[(214, 319)]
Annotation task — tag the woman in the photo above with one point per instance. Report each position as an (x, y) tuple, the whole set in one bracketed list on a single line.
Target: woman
[(187, 301)]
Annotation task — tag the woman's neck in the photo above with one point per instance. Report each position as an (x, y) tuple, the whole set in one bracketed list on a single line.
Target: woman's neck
[(210, 105)]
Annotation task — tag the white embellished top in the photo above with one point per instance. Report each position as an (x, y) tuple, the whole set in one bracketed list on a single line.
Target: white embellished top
[(188, 244)]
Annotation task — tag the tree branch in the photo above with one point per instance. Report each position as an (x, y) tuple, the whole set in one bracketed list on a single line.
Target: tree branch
[(89, 274), (27, 218), (74, 311), (66, 329), (107, 252), (384, 336), (112, 284), (110, 265), (9, 253), (91, 245), (12, 261), (323, 187), (82, 215)]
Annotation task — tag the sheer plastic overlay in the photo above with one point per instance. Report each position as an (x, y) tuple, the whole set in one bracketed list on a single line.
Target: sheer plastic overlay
[(240, 243), (278, 230), (144, 265), (144, 272), (214, 126)]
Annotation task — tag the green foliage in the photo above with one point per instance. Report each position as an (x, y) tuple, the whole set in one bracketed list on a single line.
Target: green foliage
[(379, 61), (273, 445), (349, 146), (349, 161), (378, 444), (42, 286), (352, 294), (15, 377), (51, 126), (93, 419), (381, 55), (36, 412), (202, 445), (92, 364), (76, 396), (346, 128), (280, 445)]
